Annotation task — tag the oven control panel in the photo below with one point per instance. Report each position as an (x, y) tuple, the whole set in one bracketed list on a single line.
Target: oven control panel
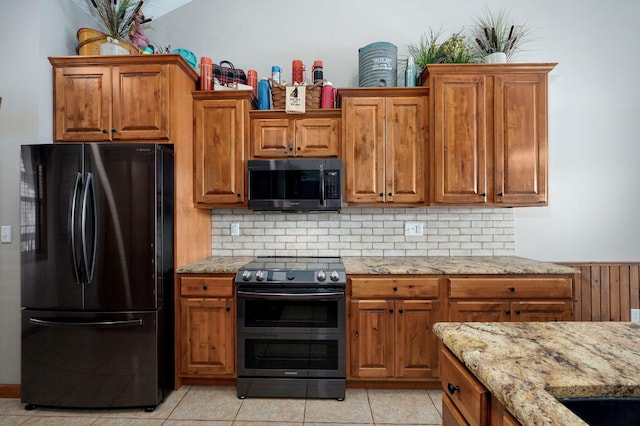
[(291, 276)]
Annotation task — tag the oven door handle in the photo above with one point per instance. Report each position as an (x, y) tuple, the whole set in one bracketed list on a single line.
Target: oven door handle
[(290, 296)]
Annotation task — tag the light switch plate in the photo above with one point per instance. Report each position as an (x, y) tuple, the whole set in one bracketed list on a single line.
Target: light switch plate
[(413, 229), (235, 229), (635, 315), (5, 234)]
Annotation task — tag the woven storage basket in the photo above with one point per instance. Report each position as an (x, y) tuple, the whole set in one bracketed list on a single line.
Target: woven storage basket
[(89, 42), (312, 95)]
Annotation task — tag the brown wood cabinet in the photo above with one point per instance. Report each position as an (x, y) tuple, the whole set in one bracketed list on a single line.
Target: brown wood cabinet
[(489, 133), (384, 139), (115, 98), (221, 120), (390, 322), (206, 332), (275, 134), (510, 299), (466, 401)]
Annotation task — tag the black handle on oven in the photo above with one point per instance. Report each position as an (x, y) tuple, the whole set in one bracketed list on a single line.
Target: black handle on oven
[(290, 296)]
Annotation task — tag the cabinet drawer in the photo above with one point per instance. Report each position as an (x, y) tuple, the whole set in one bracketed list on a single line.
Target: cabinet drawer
[(469, 396), (516, 288), (206, 286), (419, 287)]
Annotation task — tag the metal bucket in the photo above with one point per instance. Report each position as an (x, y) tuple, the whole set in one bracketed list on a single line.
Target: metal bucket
[(378, 65)]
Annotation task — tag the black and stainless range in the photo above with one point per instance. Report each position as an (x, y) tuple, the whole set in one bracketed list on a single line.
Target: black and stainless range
[(291, 328)]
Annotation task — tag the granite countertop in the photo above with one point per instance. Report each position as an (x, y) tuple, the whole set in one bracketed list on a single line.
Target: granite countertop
[(527, 365), (427, 265), (451, 265), (215, 265)]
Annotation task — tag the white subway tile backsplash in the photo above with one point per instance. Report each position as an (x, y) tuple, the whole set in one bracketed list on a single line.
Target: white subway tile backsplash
[(365, 232)]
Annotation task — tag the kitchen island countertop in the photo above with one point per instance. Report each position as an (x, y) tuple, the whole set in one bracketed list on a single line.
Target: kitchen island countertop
[(402, 265), (526, 366)]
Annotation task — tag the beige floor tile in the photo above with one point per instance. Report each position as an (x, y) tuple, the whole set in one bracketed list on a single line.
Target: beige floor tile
[(336, 424), (162, 411), (12, 407), (247, 423), (399, 407), (436, 398), (354, 409), (197, 423), (124, 421), (59, 421), (272, 410), (208, 403), (6, 420)]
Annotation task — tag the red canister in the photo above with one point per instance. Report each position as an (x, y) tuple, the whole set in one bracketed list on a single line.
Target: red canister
[(328, 96), (206, 77), (297, 73), (252, 80)]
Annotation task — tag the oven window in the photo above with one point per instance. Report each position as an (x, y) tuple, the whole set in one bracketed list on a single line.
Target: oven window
[(290, 354), (287, 313), (285, 184)]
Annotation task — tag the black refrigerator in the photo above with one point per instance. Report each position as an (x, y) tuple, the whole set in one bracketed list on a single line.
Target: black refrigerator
[(96, 232)]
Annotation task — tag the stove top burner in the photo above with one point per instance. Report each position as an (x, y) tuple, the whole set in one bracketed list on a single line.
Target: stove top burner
[(284, 270)]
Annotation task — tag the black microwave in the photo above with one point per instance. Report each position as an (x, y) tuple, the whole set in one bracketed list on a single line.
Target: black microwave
[(295, 184)]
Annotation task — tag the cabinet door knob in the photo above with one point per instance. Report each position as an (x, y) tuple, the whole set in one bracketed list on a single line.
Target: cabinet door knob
[(395, 288), (512, 289), (381, 194), (401, 311), (500, 194), (453, 389), (518, 312), (299, 148), (204, 287), (390, 194), (228, 308), (390, 311), (508, 312), (114, 131), (483, 195), (105, 131), (357, 335)]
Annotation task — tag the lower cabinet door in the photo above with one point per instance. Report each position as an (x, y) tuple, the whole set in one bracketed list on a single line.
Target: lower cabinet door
[(372, 338), (416, 344), (451, 416), (208, 337)]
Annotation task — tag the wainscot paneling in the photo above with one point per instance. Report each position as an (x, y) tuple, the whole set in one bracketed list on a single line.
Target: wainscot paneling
[(606, 291)]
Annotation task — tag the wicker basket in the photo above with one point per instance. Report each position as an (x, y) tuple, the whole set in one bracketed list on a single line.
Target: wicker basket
[(89, 42), (312, 95)]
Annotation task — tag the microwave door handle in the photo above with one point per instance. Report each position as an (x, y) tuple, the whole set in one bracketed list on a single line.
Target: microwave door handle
[(322, 177)]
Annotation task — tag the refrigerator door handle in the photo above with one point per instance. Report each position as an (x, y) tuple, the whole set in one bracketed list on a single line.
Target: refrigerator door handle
[(72, 227), (81, 324), (89, 265)]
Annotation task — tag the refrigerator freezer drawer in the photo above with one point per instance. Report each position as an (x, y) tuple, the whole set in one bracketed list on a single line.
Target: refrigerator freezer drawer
[(91, 360)]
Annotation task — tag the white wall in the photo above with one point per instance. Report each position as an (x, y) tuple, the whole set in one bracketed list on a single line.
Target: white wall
[(593, 100)]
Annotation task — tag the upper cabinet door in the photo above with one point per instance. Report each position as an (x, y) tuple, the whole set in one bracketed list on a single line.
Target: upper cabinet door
[(405, 171), (272, 137), (141, 107), (112, 102), (219, 151), (82, 103), (317, 137), (364, 153), (521, 138), (460, 139)]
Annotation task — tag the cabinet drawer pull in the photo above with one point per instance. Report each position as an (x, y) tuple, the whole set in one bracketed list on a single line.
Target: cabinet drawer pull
[(452, 389), (395, 288), (204, 287), (512, 289)]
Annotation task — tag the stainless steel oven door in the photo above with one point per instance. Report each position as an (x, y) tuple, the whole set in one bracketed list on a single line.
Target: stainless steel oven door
[(291, 310), (291, 355)]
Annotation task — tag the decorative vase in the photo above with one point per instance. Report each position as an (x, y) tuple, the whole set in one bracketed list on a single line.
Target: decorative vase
[(496, 58), (112, 47)]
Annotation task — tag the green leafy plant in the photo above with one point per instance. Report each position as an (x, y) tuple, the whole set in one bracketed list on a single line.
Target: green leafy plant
[(116, 16), (495, 32), (456, 50), (430, 50)]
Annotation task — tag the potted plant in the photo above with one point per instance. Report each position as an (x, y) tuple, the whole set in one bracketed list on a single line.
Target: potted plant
[(496, 37), (430, 50)]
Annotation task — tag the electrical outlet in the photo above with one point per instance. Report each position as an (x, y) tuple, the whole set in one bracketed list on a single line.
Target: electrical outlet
[(235, 229), (5, 233), (635, 315), (413, 229)]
